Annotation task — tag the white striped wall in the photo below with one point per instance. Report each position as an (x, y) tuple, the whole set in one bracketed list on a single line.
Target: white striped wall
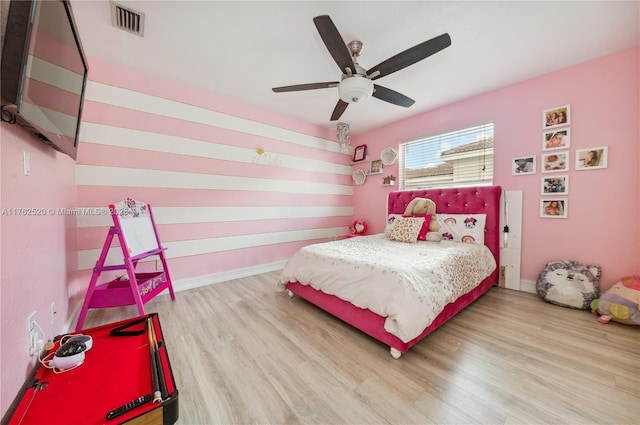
[(228, 191)]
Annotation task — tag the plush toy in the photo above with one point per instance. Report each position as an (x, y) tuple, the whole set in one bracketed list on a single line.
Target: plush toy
[(569, 284), (359, 227), (620, 302), (423, 206)]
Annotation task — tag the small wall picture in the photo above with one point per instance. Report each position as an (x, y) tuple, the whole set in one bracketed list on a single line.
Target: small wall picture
[(554, 208), (376, 167), (360, 153), (523, 165), (555, 185), (591, 158), (557, 161), (556, 116), (558, 139)]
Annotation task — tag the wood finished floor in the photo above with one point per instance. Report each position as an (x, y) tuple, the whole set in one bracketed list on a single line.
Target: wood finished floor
[(244, 353)]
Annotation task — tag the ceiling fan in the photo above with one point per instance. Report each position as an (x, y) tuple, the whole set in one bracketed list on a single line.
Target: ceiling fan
[(356, 84)]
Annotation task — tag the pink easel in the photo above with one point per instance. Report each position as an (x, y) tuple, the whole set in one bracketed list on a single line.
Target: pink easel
[(138, 237)]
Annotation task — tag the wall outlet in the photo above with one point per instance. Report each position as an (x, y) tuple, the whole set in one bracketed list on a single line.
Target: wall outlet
[(52, 313), (26, 163), (31, 321), (33, 332)]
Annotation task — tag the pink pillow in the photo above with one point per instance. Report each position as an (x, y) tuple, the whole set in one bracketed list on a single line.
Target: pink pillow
[(422, 236)]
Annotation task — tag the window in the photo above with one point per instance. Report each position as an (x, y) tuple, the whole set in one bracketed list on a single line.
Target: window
[(458, 158)]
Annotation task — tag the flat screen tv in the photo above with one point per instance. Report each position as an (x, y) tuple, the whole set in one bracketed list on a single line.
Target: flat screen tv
[(44, 72)]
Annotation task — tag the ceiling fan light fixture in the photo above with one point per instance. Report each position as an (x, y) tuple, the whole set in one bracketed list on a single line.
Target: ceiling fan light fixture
[(355, 89)]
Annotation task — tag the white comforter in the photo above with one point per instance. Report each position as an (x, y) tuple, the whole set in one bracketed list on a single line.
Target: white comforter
[(409, 284)]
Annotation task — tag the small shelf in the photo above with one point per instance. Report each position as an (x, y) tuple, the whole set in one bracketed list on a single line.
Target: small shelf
[(387, 184), (366, 159)]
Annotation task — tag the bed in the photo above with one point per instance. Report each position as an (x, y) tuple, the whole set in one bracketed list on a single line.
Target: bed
[(328, 274)]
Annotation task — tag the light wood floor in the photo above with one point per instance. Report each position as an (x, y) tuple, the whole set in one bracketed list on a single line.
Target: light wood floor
[(244, 353)]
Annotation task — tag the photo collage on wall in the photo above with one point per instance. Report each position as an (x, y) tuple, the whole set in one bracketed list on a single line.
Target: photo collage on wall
[(555, 161), (556, 139)]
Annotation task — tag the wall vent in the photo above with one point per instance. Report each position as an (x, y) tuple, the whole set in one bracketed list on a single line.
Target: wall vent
[(127, 19)]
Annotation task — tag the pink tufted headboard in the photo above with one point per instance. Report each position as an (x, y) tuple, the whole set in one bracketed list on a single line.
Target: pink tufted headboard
[(465, 200)]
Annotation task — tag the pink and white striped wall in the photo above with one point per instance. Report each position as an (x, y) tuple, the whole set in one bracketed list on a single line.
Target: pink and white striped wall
[(232, 187)]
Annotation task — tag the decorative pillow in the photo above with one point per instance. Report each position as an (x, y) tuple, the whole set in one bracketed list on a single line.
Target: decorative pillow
[(391, 219), (569, 283), (462, 227), (422, 236), (406, 229)]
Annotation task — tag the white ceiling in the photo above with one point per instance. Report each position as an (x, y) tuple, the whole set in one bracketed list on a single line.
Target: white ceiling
[(242, 49)]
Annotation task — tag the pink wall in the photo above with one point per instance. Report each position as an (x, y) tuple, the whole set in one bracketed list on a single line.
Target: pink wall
[(603, 226), (39, 255), (220, 205)]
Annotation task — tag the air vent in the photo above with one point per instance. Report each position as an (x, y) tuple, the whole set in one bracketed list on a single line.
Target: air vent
[(127, 19)]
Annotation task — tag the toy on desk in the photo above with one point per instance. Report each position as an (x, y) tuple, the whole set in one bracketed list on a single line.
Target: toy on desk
[(620, 302), (70, 354)]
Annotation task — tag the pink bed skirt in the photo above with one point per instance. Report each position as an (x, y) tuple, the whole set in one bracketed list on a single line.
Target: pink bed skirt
[(373, 324)]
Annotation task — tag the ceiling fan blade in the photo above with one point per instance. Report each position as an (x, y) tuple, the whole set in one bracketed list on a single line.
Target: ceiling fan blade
[(392, 96), (338, 110), (310, 86), (410, 56), (334, 42)]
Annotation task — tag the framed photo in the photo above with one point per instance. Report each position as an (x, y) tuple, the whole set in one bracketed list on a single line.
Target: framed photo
[(558, 139), (554, 162), (556, 116), (360, 153), (592, 158), (555, 185), (523, 165), (554, 208), (376, 167)]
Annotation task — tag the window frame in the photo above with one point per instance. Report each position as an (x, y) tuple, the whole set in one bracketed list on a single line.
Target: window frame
[(473, 159)]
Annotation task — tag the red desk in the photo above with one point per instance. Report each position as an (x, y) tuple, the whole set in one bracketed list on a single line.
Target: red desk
[(116, 370)]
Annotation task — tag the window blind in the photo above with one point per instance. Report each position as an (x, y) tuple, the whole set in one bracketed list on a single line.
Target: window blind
[(458, 158)]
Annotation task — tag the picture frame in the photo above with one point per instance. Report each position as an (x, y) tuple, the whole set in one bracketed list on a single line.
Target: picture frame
[(554, 208), (360, 153), (376, 167), (523, 165), (555, 185), (592, 158), (556, 139), (556, 117), (555, 162)]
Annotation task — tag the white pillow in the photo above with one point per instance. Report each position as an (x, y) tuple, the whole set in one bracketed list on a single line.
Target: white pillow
[(462, 227), (391, 220)]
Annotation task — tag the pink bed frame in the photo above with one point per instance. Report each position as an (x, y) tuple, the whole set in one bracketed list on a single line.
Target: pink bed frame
[(468, 200)]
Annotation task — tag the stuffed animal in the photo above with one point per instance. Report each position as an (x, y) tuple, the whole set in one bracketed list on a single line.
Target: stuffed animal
[(569, 284), (423, 206), (620, 302)]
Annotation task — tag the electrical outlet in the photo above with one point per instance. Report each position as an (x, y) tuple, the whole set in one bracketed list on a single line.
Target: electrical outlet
[(52, 313), (26, 163), (33, 332), (31, 321)]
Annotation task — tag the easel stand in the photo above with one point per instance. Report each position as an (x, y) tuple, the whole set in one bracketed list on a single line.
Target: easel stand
[(138, 238)]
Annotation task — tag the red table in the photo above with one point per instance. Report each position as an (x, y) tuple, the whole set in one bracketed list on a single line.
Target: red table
[(116, 370)]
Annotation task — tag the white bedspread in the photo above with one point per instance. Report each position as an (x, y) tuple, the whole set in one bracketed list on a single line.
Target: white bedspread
[(409, 284)]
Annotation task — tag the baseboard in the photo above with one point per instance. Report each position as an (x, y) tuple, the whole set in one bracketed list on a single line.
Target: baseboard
[(196, 282), (528, 286)]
